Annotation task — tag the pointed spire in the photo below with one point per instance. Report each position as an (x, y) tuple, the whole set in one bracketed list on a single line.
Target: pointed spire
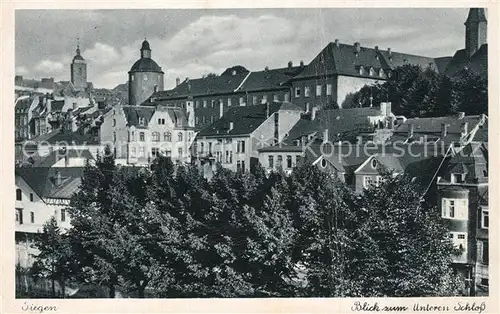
[(78, 46), (476, 15)]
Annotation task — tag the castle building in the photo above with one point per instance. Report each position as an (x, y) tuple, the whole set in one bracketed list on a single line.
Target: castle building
[(79, 71), (145, 77)]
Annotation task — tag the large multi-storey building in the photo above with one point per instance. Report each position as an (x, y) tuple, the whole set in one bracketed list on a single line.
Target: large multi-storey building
[(140, 133)]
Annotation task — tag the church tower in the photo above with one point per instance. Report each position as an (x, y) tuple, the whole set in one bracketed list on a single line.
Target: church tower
[(79, 70), (145, 77), (475, 30)]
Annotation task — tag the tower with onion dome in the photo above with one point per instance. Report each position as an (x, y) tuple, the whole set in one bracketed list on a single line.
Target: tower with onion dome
[(144, 78)]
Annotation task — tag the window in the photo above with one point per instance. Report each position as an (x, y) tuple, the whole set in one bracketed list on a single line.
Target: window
[(167, 137), (307, 91), (323, 162), (210, 147), (271, 161), (328, 89), (264, 99), (254, 100), (19, 216), (229, 102), (204, 104), (484, 218), (275, 97), (133, 152), (180, 136), (145, 77), (240, 146), (212, 103), (231, 157), (212, 119), (374, 163), (484, 252), (197, 120), (289, 161), (197, 104), (161, 121), (114, 136), (457, 178), (287, 97), (238, 166), (485, 282), (378, 180), (454, 208), (459, 240), (132, 136), (142, 152), (63, 214), (242, 166), (297, 92), (31, 197), (367, 181), (156, 136), (114, 122), (155, 151), (318, 90), (227, 157), (202, 147), (141, 137), (32, 217), (280, 160), (19, 195), (204, 119), (142, 121), (219, 156)]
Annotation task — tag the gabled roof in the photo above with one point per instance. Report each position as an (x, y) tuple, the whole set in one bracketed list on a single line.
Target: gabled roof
[(478, 62), (268, 79), (341, 123), (56, 105), (69, 137), (43, 180), (342, 59), (433, 126), (133, 113), (220, 84), (245, 119)]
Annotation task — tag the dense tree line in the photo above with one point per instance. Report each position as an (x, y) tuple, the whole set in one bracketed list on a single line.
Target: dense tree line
[(417, 92), (165, 231)]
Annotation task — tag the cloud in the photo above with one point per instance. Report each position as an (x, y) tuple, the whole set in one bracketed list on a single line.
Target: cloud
[(21, 70), (49, 66), (102, 54)]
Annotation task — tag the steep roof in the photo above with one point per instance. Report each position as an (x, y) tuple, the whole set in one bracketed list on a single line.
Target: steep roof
[(268, 79), (339, 122), (476, 15), (460, 61), (433, 126), (56, 105), (342, 59), (245, 119), (59, 136), (227, 82), (133, 113), (54, 157), (43, 180)]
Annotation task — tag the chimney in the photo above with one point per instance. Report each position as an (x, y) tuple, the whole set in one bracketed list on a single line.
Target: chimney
[(187, 79), (389, 51), (410, 130), (313, 113), (385, 109), (444, 130), (177, 81), (267, 110), (290, 64), (221, 110), (376, 48), (266, 68), (325, 136), (337, 44), (231, 126), (357, 47), (460, 115), (464, 128), (301, 63), (58, 178)]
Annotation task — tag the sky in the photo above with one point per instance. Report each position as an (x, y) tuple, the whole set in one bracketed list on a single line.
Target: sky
[(194, 42)]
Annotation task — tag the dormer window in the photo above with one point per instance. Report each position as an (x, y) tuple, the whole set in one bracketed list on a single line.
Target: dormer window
[(361, 70), (457, 178), (381, 73), (374, 163), (142, 121), (372, 72)]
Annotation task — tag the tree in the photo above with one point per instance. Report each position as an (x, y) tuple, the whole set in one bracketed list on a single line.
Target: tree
[(401, 247), (55, 260)]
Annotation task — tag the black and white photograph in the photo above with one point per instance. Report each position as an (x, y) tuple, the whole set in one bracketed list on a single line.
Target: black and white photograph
[(170, 153)]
